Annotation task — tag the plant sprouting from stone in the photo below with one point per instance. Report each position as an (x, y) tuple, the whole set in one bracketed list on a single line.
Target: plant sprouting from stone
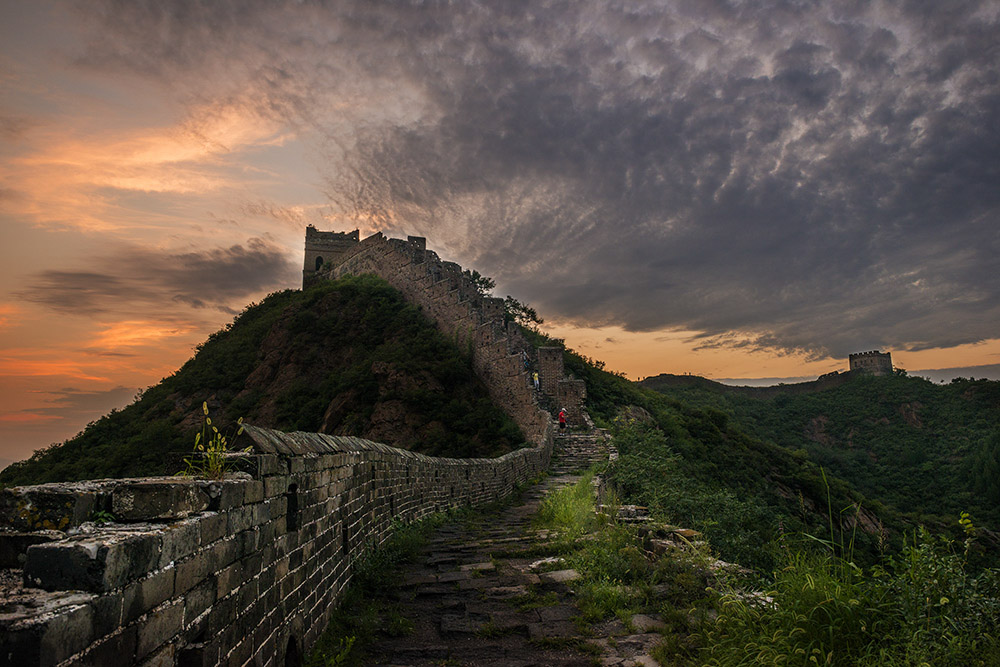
[(101, 517), (211, 456)]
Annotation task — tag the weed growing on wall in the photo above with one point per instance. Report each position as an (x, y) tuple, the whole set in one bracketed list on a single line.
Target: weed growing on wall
[(212, 457)]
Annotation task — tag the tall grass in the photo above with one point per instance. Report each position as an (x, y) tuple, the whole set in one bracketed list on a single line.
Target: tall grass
[(923, 607), (619, 577)]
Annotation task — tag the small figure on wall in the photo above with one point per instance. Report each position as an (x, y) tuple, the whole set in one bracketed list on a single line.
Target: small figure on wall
[(562, 420), (534, 379)]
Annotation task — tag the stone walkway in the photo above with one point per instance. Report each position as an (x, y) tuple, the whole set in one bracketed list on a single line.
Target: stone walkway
[(476, 600)]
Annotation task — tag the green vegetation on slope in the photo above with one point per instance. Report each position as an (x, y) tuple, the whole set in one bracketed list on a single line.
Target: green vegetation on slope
[(923, 448), (348, 357), (694, 467)]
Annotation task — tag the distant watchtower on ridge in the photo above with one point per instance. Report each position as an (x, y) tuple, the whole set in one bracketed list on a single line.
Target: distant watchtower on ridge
[(325, 248), (873, 362)]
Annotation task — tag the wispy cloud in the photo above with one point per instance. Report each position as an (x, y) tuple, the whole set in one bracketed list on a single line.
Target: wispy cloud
[(143, 278)]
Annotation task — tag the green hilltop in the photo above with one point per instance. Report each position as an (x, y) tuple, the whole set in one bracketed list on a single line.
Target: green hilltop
[(932, 451), (349, 357)]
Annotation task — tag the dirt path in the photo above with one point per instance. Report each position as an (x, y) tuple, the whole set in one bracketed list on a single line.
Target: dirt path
[(474, 600)]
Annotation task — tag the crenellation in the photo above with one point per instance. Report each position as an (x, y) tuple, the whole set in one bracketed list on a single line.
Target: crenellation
[(872, 362)]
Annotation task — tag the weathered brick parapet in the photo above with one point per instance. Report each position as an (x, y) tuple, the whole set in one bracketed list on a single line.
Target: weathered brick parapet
[(237, 572)]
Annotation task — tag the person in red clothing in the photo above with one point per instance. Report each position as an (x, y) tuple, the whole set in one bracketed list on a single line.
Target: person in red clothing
[(562, 419)]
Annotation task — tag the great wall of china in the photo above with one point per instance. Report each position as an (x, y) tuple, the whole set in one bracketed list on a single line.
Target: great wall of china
[(246, 571)]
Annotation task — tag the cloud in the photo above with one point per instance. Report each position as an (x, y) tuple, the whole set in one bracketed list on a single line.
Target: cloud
[(71, 405), (144, 279), (801, 177)]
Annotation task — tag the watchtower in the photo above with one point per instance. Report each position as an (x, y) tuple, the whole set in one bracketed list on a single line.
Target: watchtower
[(325, 248), (873, 362)]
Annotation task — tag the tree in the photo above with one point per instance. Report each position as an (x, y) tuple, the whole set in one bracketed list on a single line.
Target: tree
[(483, 284), (986, 468), (521, 313)]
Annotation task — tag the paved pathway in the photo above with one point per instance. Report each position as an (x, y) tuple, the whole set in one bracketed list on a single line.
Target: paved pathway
[(475, 601)]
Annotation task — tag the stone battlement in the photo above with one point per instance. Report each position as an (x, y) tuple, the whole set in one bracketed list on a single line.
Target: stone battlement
[(872, 362), (448, 297), (241, 571)]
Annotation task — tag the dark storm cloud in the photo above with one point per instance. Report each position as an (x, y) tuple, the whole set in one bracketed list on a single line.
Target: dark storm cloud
[(143, 278), (818, 177)]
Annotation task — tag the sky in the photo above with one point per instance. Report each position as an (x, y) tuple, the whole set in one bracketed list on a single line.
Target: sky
[(739, 190)]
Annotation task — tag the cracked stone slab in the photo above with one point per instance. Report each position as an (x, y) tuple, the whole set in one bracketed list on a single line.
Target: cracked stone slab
[(477, 566), (562, 612), (559, 576), (419, 580), (643, 623), (506, 592), (551, 629), (459, 624)]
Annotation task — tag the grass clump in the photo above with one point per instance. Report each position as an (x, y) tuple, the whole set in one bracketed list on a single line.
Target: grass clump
[(619, 577), (922, 607), (212, 457)]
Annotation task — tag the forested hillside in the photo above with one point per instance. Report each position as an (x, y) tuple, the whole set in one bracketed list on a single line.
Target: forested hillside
[(349, 357), (926, 449)]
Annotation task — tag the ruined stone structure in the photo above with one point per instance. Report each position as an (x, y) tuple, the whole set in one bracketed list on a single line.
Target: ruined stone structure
[(324, 248), (874, 362), (239, 572), (246, 571)]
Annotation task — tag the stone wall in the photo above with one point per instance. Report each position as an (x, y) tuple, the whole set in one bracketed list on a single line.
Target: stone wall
[(873, 362), (245, 571), (475, 322), (550, 363), (324, 248)]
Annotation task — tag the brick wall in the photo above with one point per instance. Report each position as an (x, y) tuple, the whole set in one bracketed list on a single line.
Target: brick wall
[(475, 322), (238, 572)]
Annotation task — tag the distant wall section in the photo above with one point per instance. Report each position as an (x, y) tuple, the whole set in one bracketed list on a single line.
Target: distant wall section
[(873, 363)]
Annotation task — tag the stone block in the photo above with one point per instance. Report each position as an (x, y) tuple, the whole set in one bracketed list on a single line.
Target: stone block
[(54, 629), (253, 491), (107, 613), (163, 657), (96, 564), (191, 571), (239, 519), (275, 486), (144, 595), (197, 600), (180, 540), (213, 527), (117, 649), (49, 506), (14, 545), (161, 625), (148, 499)]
